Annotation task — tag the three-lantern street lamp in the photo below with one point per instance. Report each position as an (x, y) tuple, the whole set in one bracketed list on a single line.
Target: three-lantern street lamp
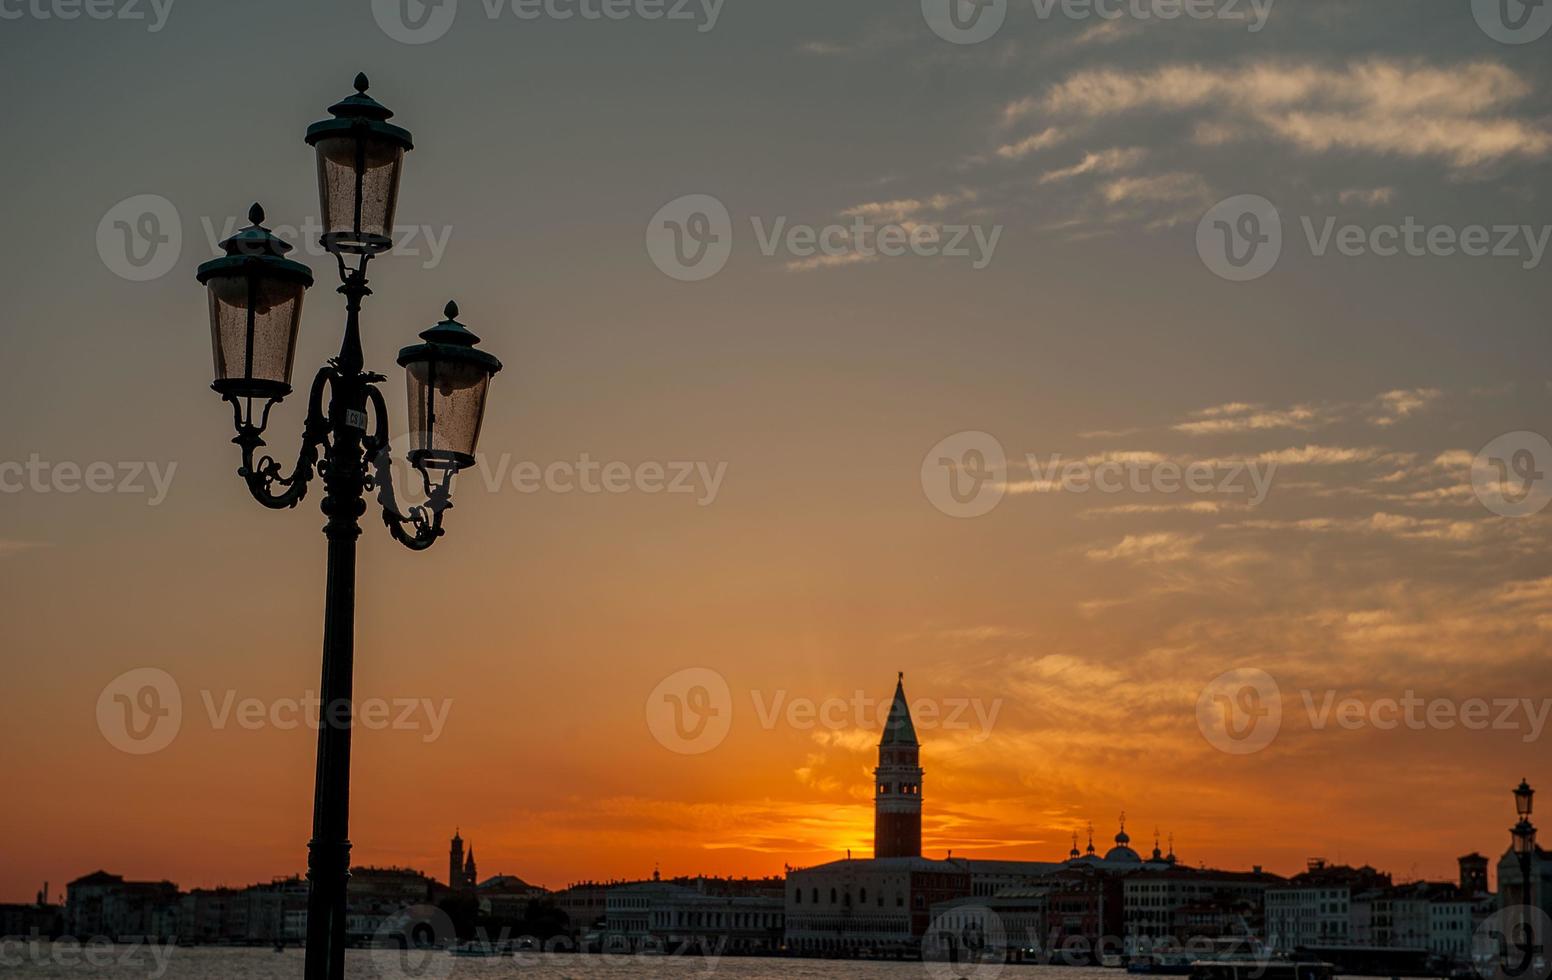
[(255, 297)]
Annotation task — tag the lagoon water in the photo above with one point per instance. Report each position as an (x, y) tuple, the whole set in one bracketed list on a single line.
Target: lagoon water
[(137, 963)]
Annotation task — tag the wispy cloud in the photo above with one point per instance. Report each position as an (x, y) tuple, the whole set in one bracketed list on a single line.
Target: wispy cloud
[(1032, 144), (1103, 162), (1462, 115), (1161, 546), (1241, 417), (1393, 406)]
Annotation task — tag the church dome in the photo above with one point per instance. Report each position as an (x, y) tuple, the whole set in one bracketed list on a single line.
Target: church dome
[(1123, 852)]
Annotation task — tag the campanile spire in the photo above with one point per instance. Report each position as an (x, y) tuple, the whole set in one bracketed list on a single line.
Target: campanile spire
[(897, 802)]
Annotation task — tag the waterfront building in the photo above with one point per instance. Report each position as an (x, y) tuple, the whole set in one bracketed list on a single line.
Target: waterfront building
[(1013, 920), (1454, 916), (39, 919), (507, 897), (712, 914), (1315, 907), (1174, 904), (105, 905), (585, 904), (277, 911), (881, 905), (373, 896), (213, 915)]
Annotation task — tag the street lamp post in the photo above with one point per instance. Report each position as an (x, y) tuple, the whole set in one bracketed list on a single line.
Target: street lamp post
[(1524, 835), (255, 295), (1525, 838)]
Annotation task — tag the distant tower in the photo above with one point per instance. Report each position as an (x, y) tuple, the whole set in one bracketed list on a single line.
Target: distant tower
[(897, 807), (471, 876), (1473, 874), (455, 863), (1075, 852)]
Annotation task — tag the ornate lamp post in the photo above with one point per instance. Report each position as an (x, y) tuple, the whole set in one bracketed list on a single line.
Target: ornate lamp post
[(1527, 944), (255, 313), (1525, 839)]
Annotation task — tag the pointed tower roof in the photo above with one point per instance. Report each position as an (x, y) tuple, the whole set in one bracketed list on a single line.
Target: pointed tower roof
[(469, 863), (898, 729)]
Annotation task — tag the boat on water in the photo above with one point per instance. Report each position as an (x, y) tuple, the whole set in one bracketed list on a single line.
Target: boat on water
[(1278, 969), (1162, 963), (1178, 961)]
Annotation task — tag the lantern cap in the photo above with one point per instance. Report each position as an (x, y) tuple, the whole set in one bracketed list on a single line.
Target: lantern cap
[(361, 105), (449, 340), (359, 112), (255, 247)]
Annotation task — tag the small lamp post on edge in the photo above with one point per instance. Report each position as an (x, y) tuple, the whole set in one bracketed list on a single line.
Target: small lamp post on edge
[(255, 295), (1523, 833)]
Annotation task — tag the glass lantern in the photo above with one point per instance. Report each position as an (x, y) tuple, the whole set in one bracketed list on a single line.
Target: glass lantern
[(360, 160), (255, 312), (448, 380)]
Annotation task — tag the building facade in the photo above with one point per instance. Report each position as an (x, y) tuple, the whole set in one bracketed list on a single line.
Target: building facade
[(881, 905), (1173, 904), (700, 914), (1316, 907)]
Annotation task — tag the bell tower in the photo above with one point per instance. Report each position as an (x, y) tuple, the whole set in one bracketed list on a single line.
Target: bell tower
[(897, 801), (455, 862)]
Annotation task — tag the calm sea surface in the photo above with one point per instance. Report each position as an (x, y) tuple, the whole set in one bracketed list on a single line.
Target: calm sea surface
[(137, 963)]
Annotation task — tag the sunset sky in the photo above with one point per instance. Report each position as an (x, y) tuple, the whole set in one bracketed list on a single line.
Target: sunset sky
[(819, 566)]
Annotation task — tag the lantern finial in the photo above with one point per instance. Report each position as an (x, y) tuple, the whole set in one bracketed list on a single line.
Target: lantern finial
[(256, 214), (361, 83), (451, 310)]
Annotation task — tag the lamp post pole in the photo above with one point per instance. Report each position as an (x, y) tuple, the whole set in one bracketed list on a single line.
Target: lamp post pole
[(255, 310), (328, 853)]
